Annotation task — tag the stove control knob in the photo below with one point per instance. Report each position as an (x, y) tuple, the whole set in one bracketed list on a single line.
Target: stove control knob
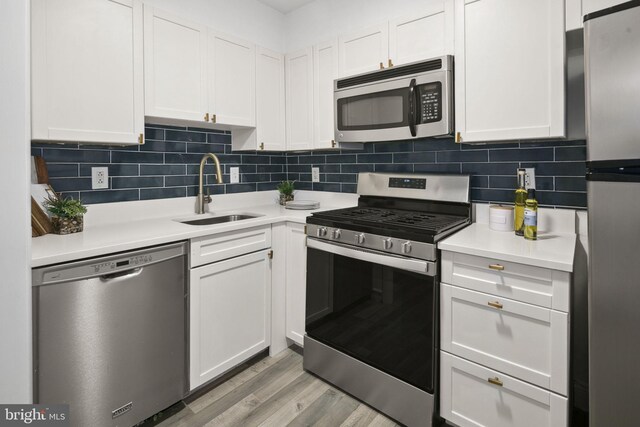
[(406, 247), (335, 234), (322, 231), (360, 238), (387, 243)]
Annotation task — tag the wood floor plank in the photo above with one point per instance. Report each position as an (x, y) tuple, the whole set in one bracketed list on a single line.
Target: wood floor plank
[(275, 402), (382, 421), (288, 363), (339, 412), (235, 415), (292, 408), (361, 417), (239, 379), (317, 409)]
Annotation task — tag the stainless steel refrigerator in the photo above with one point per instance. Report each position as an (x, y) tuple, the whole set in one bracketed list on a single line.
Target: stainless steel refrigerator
[(612, 77)]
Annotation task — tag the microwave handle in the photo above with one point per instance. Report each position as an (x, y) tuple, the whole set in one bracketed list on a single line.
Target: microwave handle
[(412, 107)]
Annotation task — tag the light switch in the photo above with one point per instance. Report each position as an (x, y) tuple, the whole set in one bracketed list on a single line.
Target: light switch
[(315, 174), (235, 175)]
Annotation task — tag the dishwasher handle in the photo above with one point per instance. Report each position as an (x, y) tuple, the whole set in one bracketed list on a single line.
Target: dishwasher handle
[(122, 274)]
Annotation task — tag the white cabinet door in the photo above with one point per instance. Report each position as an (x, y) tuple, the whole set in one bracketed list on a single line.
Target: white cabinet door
[(232, 80), (472, 395), (590, 6), (230, 312), (364, 50), (422, 36), (325, 71), (296, 281), (87, 71), (299, 99), (270, 104), (510, 69), (175, 53)]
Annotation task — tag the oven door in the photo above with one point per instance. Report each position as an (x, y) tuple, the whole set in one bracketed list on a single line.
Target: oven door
[(377, 308), (408, 107)]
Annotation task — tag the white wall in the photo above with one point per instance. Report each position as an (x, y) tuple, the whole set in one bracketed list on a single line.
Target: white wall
[(15, 215), (247, 19), (323, 19)]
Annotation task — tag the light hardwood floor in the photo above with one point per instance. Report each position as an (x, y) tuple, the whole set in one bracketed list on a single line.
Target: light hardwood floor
[(276, 391)]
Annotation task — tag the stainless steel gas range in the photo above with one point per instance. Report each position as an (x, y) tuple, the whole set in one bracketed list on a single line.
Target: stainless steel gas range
[(373, 291)]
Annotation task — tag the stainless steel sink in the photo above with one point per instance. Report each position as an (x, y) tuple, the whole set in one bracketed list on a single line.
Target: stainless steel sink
[(219, 219)]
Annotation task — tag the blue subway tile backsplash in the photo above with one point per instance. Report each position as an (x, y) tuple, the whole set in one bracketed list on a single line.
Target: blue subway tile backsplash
[(167, 166)]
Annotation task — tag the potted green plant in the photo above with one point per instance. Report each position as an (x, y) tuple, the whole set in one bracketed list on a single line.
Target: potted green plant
[(286, 191), (66, 214)]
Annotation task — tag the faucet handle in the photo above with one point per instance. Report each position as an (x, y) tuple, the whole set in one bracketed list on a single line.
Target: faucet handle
[(207, 198)]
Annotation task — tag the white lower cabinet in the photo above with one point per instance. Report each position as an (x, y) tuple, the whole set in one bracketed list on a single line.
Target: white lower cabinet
[(230, 312), (472, 395), (504, 343), (296, 281)]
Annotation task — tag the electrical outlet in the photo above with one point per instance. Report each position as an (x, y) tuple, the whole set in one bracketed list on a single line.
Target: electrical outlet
[(235, 175), (529, 178), (315, 174), (99, 178)]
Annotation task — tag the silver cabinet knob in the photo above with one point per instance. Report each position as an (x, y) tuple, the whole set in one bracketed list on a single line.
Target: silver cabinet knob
[(387, 243), (406, 247), (336, 234), (360, 238), (322, 231)]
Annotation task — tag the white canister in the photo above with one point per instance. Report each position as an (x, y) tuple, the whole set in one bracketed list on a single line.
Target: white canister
[(501, 218)]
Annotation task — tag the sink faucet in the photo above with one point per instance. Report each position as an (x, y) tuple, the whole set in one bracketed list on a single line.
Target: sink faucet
[(201, 197)]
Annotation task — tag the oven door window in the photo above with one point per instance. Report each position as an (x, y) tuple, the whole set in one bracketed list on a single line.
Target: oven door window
[(382, 316), (380, 110)]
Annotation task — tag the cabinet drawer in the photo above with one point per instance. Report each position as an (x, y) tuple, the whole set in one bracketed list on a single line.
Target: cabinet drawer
[(533, 285), (523, 340), (205, 250), (468, 398)]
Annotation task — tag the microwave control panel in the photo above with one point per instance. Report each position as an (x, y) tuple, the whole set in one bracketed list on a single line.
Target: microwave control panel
[(430, 102)]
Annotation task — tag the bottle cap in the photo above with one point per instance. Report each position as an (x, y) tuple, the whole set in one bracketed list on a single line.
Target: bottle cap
[(531, 193)]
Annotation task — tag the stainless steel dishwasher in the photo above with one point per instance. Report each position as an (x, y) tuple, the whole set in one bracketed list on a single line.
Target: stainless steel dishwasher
[(109, 335)]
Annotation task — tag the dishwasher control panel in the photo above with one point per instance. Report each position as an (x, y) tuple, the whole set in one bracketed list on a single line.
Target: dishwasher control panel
[(107, 267)]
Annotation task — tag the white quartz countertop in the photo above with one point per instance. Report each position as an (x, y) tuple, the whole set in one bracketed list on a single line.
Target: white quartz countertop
[(553, 250), (99, 239)]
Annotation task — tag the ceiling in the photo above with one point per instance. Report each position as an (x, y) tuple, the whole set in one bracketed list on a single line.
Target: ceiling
[(285, 6)]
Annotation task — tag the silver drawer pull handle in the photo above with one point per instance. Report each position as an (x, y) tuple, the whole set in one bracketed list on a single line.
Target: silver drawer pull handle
[(495, 381), (496, 267), (495, 305)]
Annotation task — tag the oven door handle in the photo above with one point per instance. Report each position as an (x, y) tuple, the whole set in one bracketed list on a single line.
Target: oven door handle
[(428, 268)]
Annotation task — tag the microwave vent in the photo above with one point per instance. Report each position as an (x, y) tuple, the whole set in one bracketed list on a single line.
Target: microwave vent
[(420, 67)]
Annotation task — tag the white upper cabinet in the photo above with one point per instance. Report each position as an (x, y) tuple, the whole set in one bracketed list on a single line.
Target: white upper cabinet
[(299, 99), (87, 71), (325, 71), (412, 38), (175, 55), (510, 69), (232, 80), (364, 50), (422, 36), (270, 110)]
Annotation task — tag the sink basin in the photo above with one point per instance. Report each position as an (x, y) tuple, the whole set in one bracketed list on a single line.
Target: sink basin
[(219, 219)]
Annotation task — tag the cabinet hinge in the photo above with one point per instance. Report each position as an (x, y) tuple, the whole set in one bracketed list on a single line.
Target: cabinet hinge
[(270, 254), (141, 139)]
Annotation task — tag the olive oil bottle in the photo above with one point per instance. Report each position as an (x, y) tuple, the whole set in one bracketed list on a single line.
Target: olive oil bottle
[(521, 197), (531, 216)]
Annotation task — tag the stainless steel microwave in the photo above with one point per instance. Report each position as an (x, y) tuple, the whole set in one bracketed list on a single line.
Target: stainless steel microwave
[(409, 101)]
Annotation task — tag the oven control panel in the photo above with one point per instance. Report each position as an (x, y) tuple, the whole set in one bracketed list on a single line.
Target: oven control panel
[(391, 245), (415, 183)]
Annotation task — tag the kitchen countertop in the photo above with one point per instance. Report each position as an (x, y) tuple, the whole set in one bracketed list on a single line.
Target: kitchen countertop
[(99, 239), (553, 250)]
